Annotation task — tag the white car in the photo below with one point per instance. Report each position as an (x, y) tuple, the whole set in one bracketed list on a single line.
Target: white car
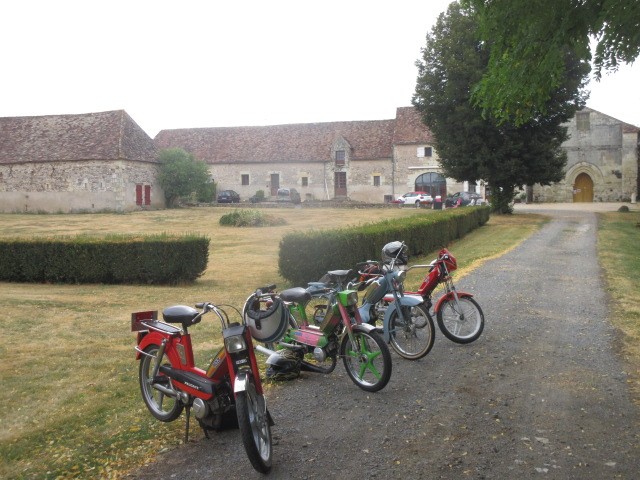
[(415, 198)]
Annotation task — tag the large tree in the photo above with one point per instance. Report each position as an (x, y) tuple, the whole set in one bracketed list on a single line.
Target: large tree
[(528, 41), (474, 147), (181, 175)]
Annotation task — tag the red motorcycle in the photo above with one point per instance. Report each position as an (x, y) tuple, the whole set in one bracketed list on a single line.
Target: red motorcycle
[(229, 392), (459, 316)]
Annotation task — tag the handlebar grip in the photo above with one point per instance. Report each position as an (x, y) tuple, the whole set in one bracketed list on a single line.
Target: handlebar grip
[(200, 305)]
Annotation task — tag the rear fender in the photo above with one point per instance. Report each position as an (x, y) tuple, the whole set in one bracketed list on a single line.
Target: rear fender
[(155, 338), (449, 296), (407, 301)]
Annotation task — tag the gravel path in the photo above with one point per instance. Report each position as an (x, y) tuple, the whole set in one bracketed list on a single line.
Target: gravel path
[(542, 393)]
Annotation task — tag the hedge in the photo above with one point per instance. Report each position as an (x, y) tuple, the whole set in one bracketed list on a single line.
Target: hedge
[(306, 256), (115, 259)]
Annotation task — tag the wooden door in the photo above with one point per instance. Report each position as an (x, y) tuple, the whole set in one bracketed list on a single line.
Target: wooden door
[(340, 185), (583, 189), (275, 184)]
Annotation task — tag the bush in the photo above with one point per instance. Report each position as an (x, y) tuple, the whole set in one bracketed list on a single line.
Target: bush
[(155, 259), (306, 256), (250, 218)]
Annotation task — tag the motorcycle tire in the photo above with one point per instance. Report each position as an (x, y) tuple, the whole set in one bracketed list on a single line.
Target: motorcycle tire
[(255, 429), (161, 406), (463, 326), (412, 338), (368, 361)]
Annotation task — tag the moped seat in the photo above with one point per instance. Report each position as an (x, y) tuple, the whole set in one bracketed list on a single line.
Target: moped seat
[(340, 275), (296, 294), (180, 314)]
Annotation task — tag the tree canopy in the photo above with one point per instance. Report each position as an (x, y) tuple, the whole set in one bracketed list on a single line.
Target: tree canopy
[(181, 175), (529, 38), (474, 147)]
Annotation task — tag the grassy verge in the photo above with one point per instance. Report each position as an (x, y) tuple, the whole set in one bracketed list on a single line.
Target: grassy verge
[(618, 244), (69, 403)]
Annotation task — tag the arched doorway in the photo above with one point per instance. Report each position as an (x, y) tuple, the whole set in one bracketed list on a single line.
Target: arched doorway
[(583, 189), (432, 183)]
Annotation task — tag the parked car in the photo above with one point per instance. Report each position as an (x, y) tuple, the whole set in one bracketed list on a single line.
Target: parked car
[(460, 199), (228, 196), (414, 198), (288, 195)]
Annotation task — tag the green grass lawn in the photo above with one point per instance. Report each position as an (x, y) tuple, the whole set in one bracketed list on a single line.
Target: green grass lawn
[(70, 406)]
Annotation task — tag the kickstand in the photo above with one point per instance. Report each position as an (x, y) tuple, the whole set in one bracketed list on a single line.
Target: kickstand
[(186, 430)]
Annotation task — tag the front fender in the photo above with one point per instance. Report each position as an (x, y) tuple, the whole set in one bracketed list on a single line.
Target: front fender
[(449, 296), (406, 301), (241, 381), (364, 327)]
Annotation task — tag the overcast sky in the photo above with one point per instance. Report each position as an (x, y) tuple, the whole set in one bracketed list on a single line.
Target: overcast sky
[(213, 63)]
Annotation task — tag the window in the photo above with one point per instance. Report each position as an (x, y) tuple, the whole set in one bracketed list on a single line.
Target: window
[(425, 151), (304, 181), (244, 179), (582, 121), (340, 157), (376, 180), (143, 194)]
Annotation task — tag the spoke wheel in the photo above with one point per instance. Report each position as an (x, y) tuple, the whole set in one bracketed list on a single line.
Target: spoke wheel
[(255, 429), (413, 335), (462, 322), (161, 406), (367, 360)]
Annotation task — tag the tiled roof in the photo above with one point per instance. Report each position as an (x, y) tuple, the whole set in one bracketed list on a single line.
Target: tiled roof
[(91, 136), (305, 142), (409, 127)]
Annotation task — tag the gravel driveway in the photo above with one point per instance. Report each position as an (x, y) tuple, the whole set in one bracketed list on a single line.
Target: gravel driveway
[(542, 394)]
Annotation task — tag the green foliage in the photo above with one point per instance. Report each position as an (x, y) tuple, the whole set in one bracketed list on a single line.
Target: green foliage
[(470, 146), (306, 256), (153, 259), (528, 42), (250, 218), (206, 193), (181, 175)]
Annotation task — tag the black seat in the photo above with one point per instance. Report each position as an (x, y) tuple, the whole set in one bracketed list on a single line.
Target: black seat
[(296, 295), (180, 314)]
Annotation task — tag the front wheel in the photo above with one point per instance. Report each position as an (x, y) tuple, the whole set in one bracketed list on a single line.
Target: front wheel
[(460, 322), (161, 406), (255, 428), (367, 360), (413, 335)]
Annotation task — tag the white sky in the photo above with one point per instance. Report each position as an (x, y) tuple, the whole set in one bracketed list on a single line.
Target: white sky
[(213, 63)]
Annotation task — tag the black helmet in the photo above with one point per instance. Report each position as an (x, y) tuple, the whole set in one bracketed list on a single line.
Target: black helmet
[(395, 252), (283, 365)]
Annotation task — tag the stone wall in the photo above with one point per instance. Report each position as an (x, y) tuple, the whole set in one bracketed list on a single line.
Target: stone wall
[(599, 147), (79, 186)]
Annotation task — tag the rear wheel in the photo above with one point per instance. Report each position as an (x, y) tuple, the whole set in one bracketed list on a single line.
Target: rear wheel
[(367, 360), (255, 429), (412, 337), (161, 406), (460, 322)]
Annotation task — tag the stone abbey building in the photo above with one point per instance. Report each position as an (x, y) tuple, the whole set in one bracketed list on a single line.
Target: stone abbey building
[(106, 162)]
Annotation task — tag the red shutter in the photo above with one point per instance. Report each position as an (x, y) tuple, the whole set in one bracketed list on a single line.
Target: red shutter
[(138, 194), (147, 194)]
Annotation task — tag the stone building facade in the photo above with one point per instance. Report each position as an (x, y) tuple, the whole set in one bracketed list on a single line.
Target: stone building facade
[(77, 163), (602, 162), (369, 161)]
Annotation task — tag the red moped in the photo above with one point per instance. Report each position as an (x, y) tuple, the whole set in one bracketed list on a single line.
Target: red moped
[(229, 391)]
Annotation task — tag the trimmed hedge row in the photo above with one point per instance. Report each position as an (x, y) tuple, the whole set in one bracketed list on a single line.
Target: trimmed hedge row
[(116, 259), (306, 256)]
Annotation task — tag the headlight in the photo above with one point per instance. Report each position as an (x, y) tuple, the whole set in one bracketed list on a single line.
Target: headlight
[(352, 298), (401, 275), (235, 344)]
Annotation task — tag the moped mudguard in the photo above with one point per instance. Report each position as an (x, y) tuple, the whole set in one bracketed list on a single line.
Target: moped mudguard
[(449, 296), (155, 338), (241, 382), (408, 301)]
